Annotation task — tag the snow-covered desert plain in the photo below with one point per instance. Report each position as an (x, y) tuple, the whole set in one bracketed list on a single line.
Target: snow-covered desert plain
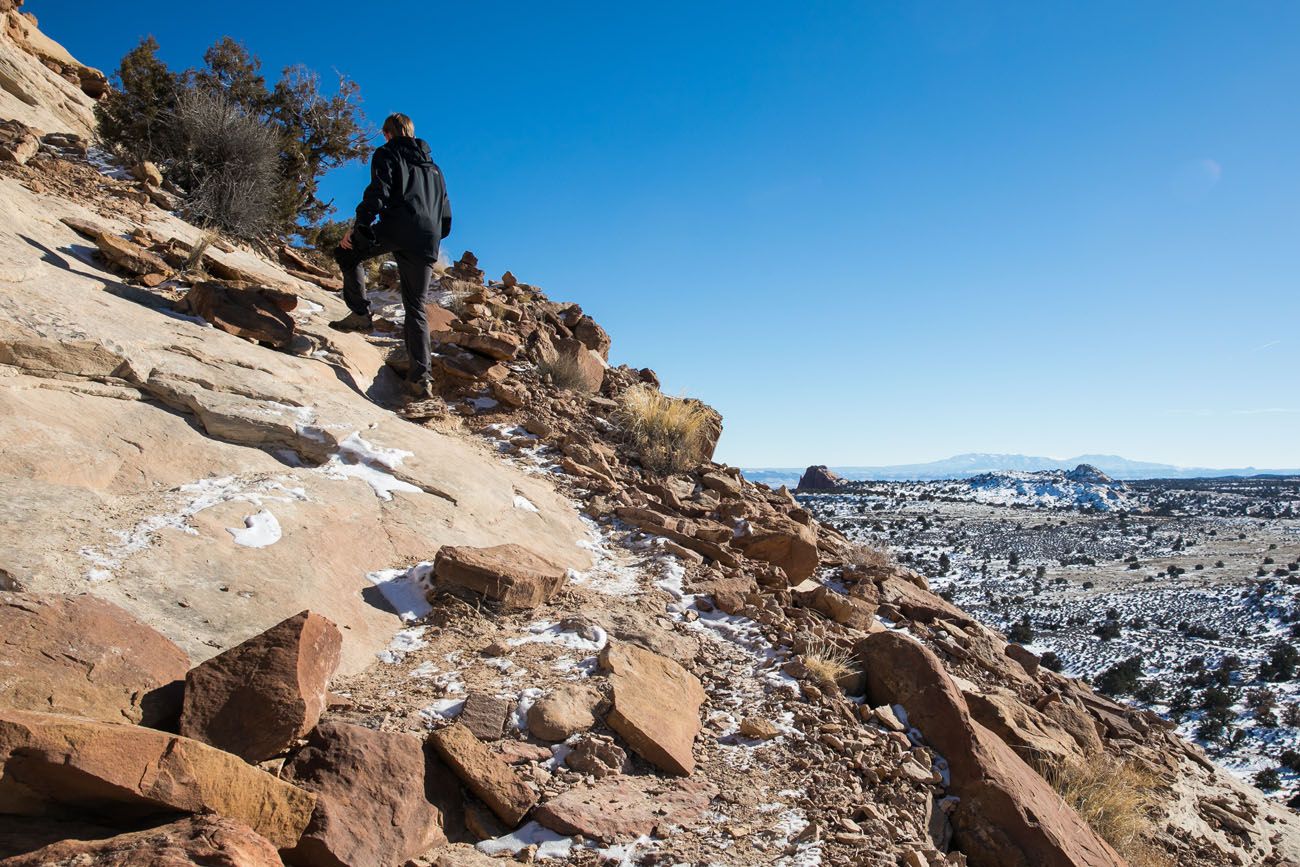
[(1181, 596)]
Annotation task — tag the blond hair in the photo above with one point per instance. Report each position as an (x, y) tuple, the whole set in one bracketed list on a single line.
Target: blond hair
[(398, 124)]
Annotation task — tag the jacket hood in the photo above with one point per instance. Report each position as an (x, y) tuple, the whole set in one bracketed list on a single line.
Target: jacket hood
[(413, 150)]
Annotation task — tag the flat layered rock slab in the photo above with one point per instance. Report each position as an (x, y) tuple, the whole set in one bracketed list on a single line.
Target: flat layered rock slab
[(493, 781), (50, 764), (625, 808), (85, 656), (656, 706)]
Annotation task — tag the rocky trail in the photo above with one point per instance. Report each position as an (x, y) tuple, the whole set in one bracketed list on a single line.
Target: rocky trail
[(249, 615)]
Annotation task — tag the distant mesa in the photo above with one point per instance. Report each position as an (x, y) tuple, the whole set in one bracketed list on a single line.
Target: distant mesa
[(1088, 474), (819, 478)]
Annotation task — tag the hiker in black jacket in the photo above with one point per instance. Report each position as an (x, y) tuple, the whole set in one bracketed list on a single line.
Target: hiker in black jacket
[(408, 195)]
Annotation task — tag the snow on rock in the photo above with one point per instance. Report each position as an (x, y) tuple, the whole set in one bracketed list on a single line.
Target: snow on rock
[(259, 531)]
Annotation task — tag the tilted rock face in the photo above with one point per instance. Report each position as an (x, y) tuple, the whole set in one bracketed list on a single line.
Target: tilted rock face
[(257, 698), (487, 776), (656, 706), (50, 764), (1008, 815), (510, 574), (209, 841), (379, 799), (819, 478), (31, 90), (84, 656)]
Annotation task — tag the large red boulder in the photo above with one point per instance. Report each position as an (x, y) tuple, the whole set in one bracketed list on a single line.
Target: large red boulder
[(380, 799), (84, 656), (257, 698), (196, 841), (1008, 815), (53, 765), (253, 312), (782, 542)]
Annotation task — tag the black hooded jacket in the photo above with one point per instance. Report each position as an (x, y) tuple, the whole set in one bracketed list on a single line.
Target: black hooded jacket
[(408, 195)]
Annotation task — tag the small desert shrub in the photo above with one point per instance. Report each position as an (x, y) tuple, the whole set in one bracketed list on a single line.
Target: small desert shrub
[(1115, 799), (868, 558), (828, 664), (232, 162), (564, 371), (1121, 678), (669, 433)]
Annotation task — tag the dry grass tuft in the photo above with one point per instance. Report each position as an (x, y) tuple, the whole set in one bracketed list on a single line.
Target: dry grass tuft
[(195, 257), (566, 373), (669, 433), (868, 558), (828, 664), (1115, 798)]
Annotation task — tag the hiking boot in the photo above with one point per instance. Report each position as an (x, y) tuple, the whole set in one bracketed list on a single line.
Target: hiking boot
[(354, 322), (417, 389)]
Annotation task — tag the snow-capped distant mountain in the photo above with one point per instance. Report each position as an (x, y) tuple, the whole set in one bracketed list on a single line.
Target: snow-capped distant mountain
[(1084, 487), (973, 464)]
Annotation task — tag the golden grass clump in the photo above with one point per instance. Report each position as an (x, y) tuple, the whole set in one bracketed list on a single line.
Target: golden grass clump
[(669, 433), (828, 665), (1115, 798)]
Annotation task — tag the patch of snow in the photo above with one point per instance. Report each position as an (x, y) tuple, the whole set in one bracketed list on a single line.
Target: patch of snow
[(404, 642), (404, 589), (547, 632), (549, 844), (522, 502), (443, 708), (259, 531)]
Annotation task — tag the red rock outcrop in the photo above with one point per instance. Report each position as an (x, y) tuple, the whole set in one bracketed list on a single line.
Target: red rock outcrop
[(509, 574), (656, 706), (84, 656), (51, 764), (197, 841)]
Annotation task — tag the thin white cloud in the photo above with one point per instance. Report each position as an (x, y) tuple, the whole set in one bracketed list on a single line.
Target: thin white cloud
[(1275, 410), (1267, 345)]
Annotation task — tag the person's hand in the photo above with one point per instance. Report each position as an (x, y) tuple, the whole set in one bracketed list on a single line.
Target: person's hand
[(346, 243)]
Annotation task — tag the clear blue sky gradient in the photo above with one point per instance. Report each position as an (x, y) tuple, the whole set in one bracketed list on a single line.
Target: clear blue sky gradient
[(868, 233)]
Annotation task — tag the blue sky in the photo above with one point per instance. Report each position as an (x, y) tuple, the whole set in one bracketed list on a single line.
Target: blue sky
[(868, 233)]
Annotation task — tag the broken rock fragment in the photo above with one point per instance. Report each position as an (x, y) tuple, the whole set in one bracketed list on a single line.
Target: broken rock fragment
[(379, 800), (569, 708), (509, 574), (625, 808), (255, 313), (656, 706), (257, 698), (484, 773)]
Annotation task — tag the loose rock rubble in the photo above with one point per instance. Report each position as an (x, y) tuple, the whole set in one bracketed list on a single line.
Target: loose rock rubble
[(584, 658)]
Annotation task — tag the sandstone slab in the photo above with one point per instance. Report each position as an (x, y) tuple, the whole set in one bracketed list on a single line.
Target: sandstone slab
[(379, 801), (782, 542), (254, 313), (84, 656), (129, 256), (510, 574), (624, 808), (656, 706), (196, 841), (258, 697), (490, 779), (50, 764)]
